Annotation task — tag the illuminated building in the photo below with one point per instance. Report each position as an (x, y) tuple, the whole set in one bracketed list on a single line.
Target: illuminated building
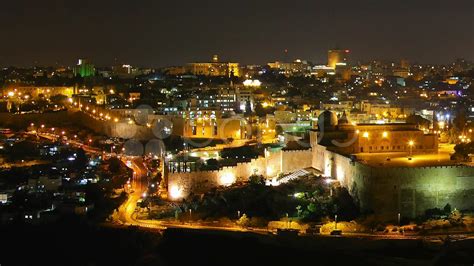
[(35, 91), (211, 124), (214, 68), (337, 57), (321, 71), (84, 69), (342, 136), (295, 68), (228, 100)]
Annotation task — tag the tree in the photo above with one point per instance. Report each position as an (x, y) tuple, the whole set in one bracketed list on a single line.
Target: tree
[(259, 110), (248, 108), (447, 208), (257, 179), (279, 130), (460, 120), (243, 221)]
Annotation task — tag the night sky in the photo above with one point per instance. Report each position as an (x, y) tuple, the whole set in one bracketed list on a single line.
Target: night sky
[(160, 33)]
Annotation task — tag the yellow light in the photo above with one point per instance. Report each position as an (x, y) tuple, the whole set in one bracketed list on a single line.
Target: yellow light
[(11, 93), (385, 134), (116, 119), (411, 143), (340, 174), (366, 135), (175, 192), (270, 171), (227, 179)]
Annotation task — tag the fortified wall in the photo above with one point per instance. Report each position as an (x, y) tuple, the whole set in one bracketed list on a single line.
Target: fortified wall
[(180, 185), (113, 129), (387, 191)]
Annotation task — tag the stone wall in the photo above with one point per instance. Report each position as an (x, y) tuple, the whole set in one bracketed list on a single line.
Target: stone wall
[(180, 185), (410, 191), (113, 129), (22, 121), (293, 160)]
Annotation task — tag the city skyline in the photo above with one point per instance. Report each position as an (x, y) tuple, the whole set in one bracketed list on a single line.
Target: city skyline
[(164, 34), (246, 132)]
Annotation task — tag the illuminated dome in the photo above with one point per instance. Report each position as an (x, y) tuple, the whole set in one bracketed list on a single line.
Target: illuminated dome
[(327, 120)]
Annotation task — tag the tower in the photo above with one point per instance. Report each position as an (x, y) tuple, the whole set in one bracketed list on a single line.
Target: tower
[(337, 57)]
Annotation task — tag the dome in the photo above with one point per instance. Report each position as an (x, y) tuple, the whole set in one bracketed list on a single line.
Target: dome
[(343, 120), (327, 120)]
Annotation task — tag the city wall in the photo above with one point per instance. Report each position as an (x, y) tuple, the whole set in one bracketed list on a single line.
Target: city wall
[(180, 185), (16, 121), (410, 191), (113, 129)]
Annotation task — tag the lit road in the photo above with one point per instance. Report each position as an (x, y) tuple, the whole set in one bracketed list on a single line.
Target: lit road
[(138, 186), (78, 144)]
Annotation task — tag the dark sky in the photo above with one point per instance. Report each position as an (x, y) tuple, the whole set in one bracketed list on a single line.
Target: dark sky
[(160, 33)]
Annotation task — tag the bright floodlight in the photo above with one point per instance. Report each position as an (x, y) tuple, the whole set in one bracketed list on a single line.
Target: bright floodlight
[(175, 192)]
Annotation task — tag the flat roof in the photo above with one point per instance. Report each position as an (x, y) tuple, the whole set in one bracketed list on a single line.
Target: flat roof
[(400, 159)]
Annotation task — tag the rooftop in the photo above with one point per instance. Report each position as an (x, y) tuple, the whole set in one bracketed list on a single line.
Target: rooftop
[(401, 159)]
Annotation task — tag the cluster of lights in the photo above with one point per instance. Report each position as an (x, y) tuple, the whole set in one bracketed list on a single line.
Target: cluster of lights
[(464, 139), (252, 83), (94, 111)]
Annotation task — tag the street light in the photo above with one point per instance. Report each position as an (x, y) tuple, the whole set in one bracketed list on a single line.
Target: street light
[(411, 143)]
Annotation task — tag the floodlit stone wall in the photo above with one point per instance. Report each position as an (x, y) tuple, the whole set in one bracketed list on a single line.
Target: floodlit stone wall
[(410, 191), (182, 185)]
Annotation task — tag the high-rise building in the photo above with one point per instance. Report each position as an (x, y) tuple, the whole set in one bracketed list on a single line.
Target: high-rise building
[(337, 57), (84, 69)]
